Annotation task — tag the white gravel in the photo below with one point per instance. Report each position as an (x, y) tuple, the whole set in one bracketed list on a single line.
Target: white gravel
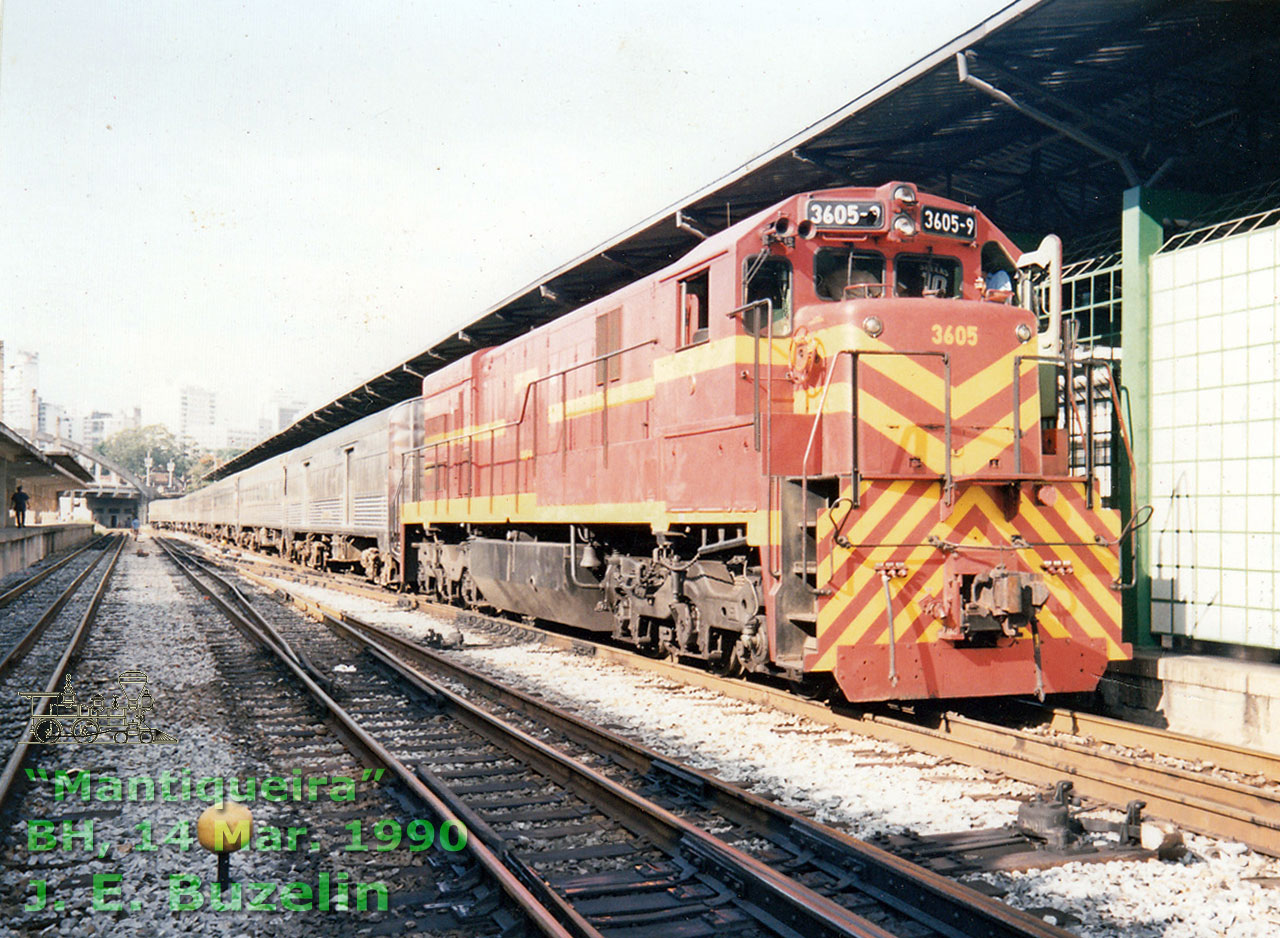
[(869, 787)]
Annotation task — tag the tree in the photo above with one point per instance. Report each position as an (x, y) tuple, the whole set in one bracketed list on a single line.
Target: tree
[(129, 449), (204, 463)]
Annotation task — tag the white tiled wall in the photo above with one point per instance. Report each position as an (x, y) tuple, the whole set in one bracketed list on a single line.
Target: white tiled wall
[(1215, 440)]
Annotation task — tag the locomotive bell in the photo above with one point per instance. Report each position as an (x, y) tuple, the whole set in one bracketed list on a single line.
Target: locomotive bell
[(589, 559)]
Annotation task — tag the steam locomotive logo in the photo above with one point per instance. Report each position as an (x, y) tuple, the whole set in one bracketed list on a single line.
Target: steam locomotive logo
[(124, 722)]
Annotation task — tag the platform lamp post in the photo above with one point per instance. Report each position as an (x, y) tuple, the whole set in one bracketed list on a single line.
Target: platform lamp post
[(148, 462)]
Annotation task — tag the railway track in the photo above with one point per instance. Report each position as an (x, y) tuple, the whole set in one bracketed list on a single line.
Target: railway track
[(611, 837), (40, 575), (1211, 788), (43, 623)]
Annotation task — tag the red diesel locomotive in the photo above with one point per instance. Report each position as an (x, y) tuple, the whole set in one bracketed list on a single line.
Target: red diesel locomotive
[(829, 444)]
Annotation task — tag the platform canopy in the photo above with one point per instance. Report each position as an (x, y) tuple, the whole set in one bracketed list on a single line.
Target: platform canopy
[(24, 465), (1067, 104)]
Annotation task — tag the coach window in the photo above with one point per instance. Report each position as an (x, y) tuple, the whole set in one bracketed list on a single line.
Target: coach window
[(928, 275), (694, 315), (608, 341), (842, 274), (767, 277)]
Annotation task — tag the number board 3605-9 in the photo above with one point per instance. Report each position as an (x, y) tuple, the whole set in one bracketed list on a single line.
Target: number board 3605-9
[(844, 213), (945, 221)]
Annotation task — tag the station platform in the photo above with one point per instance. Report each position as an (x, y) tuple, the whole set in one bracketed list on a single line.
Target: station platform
[(1219, 698), (21, 547)]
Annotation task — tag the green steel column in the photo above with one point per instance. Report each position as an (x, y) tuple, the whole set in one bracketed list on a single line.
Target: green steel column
[(1141, 235)]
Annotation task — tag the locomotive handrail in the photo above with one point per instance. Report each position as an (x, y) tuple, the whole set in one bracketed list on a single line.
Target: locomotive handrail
[(855, 474), (768, 416), (1086, 425), (755, 380), (524, 406), (470, 435)]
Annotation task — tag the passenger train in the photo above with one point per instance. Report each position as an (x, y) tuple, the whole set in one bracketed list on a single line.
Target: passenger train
[(838, 443)]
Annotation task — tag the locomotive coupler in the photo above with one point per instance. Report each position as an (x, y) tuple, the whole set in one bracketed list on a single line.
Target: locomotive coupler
[(1002, 601)]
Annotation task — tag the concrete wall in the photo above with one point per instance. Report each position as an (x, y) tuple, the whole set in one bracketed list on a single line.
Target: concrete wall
[(21, 547)]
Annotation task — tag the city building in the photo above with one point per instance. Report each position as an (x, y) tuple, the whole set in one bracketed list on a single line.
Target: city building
[(21, 395), (55, 420), (198, 419), (279, 413)]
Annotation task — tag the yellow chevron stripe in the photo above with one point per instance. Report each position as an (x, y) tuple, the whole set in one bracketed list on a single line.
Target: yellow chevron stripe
[(979, 499), (1109, 517), (916, 511), (977, 389), (868, 519), (872, 617), (1102, 595)]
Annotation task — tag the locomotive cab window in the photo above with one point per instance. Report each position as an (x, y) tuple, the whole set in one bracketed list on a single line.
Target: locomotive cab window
[(999, 272), (695, 318), (928, 275), (767, 278), (848, 275)]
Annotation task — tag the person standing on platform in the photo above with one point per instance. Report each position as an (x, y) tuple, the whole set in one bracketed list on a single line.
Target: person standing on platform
[(19, 502)]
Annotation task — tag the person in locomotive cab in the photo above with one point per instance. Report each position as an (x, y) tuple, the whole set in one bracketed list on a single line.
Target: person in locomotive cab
[(997, 279)]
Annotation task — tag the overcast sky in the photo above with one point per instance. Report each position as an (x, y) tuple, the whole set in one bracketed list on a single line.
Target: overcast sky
[(263, 196)]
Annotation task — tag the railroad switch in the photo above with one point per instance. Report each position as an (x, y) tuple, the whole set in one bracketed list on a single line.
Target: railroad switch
[(1049, 831)]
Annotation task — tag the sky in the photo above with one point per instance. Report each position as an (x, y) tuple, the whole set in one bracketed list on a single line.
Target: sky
[(283, 197)]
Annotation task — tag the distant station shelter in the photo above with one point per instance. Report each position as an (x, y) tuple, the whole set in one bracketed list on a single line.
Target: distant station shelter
[(1146, 134), (42, 477), (111, 506)]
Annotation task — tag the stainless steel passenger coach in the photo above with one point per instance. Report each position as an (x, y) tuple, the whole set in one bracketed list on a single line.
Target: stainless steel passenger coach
[(327, 502)]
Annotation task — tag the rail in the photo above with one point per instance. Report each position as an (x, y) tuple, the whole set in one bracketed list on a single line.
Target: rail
[(355, 735), (10, 772), (934, 904), (36, 578)]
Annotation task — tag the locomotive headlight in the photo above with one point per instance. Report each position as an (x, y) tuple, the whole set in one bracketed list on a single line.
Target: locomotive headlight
[(1023, 332), (904, 194), (872, 326), (904, 226)]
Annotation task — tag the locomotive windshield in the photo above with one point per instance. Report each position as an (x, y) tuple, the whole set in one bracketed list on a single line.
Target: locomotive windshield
[(928, 275), (767, 278), (841, 274)]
